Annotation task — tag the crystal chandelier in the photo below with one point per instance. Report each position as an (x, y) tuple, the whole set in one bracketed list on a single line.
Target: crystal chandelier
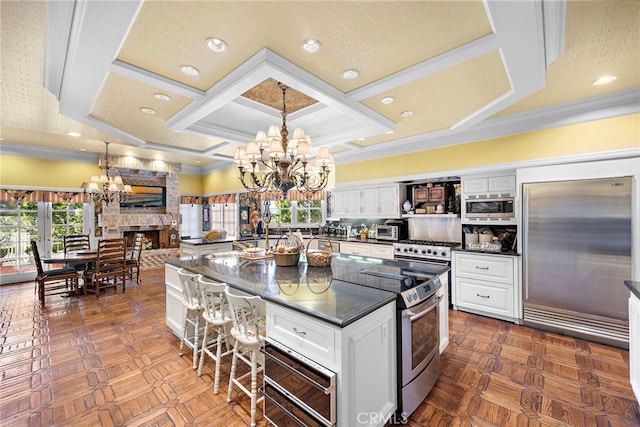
[(273, 164), (106, 187)]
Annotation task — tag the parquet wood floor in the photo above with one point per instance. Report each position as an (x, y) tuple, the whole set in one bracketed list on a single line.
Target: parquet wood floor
[(112, 361)]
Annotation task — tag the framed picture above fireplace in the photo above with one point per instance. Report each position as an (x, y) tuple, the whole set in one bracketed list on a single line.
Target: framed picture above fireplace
[(144, 197)]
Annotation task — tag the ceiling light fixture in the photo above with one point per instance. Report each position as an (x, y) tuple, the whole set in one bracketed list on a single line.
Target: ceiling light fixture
[(604, 80), (388, 99), (350, 74), (275, 165), (311, 46), (189, 70), (74, 134), (147, 110), (162, 97), (113, 189), (407, 113), (216, 45)]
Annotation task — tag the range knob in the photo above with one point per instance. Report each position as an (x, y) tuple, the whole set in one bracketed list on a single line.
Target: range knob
[(406, 249), (443, 253), (428, 251), (424, 252), (415, 251)]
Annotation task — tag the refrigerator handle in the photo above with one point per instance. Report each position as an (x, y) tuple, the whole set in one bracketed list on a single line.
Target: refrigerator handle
[(525, 240)]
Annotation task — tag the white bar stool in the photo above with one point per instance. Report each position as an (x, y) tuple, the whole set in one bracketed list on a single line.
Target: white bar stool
[(193, 310), (248, 332), (217, 324)]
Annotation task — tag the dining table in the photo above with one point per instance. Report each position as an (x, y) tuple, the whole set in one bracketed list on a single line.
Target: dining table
[(85, 256)]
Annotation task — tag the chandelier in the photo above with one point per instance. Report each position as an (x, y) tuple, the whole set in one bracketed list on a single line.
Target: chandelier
[(273, 164), (106, 187)]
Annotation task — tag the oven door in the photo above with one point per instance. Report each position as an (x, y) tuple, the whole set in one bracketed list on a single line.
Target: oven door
[(420, 337)]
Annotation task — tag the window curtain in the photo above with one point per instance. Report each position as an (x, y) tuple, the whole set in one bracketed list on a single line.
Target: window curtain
[(42, 196), (293, 195), (222, 199), (190, 200)]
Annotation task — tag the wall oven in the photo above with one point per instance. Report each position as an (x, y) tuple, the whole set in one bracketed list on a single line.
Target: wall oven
[(297, 391)]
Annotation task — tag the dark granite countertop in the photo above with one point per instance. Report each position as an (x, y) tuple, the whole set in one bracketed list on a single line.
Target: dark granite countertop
[(306, 289), (634, 287), (274, 237), (476, 251), (203, 241)]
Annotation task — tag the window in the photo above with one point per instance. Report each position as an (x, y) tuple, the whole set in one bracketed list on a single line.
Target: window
[(224, 217), (66, 219), (297, 213)]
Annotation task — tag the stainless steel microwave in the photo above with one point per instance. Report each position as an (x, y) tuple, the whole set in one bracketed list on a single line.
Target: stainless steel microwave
[(498, 207)]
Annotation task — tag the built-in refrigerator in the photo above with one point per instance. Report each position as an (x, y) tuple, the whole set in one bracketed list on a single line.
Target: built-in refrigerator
[(576, 255)]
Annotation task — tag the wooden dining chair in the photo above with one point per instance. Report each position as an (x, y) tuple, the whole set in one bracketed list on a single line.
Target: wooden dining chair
[(133, 260), (53, 282), (77, 242), (110, 266)]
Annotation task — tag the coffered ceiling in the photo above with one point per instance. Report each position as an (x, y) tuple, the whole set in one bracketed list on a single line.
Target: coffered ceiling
[(457, 71)]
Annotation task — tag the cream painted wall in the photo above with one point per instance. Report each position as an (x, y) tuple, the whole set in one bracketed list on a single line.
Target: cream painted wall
[(583, 138), (598, 136), (189, 184), (29, 172)]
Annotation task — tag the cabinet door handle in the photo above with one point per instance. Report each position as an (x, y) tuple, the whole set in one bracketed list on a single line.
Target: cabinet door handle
[(481, 268), (483, 296), (301, 333)]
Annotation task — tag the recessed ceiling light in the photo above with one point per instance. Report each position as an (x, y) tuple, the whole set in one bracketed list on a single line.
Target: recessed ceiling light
[(361, 139), (162, 97), (147, 110), (83, 149), (189, 70), (407, 113), (604, 80), (74, 134), (350, 74), (311, 46), (216, 45), (388, 99), (389, 132)]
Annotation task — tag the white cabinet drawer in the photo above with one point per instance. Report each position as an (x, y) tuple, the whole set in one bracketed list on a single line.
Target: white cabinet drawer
[(485, 267), (308, 337), (363, 249), (492, 298), (382, 251)]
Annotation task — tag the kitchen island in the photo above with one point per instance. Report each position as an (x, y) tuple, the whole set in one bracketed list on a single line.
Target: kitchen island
[(634, 335), (344, 327)]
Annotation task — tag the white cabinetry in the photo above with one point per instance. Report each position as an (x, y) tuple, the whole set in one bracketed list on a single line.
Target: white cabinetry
[(362, 354), (634, 344), (489, 185), (188, 249), (174, 307), (382, 251), (373, 202), (487, 284), (351, 248)]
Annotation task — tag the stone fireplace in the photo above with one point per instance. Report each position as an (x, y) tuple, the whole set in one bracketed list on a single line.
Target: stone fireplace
[(151, 239), (159, 225)]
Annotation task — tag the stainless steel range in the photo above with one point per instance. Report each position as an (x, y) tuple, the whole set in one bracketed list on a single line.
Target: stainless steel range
[(418, 285), (427, 250)]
